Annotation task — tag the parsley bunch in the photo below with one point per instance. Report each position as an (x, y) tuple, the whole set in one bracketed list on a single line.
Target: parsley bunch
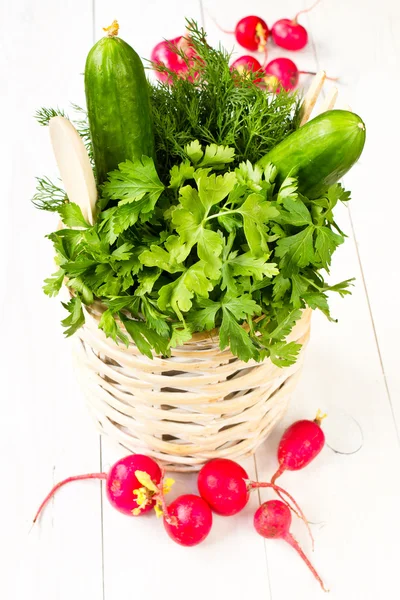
[(216, 246)]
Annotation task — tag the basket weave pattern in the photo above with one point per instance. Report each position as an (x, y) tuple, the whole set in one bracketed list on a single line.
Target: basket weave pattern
[(198, 404)]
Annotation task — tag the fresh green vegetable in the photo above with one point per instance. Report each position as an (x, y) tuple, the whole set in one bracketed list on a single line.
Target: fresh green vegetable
[(118, 104), (320, 152)]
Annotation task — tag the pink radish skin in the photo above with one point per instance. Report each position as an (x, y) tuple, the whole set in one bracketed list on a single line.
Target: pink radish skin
[(163, 54), (188, 520), (121, 482), (222, 484), (272, 520), (247, 64), (281, 72), (289, 34), (300, 444), (252, 33)]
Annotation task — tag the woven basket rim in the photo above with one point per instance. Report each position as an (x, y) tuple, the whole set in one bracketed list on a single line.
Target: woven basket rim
[(97, 308)]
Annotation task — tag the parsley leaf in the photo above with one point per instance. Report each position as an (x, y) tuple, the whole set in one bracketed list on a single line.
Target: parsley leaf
[(256, 213), (71, 215), (296, 250), (233, 335), (75, 319), (53, 284), (133, 180)]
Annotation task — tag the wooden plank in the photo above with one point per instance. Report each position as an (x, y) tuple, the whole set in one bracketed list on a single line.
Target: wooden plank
[(46, 432), (375, 213), (343, 373), (232, 559)]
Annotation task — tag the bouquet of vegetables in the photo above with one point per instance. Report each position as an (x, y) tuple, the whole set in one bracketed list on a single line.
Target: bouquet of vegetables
[(215, 210)]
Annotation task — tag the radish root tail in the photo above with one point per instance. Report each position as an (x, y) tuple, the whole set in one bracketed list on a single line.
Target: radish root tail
[(296, 546), (64, 482), (305, 10)]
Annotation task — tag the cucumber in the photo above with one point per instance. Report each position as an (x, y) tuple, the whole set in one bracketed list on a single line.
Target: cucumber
[(118, 104), (320, 152)]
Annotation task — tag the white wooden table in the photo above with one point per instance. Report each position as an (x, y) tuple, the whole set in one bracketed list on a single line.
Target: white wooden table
[(82, 548)]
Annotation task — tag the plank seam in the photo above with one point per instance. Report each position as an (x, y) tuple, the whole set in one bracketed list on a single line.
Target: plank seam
[(378, 348), (363, 279), (264, 541)]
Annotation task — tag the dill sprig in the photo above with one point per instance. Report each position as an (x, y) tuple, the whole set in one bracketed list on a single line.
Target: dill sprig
[(214, 105), (48, 196), (44, 114)]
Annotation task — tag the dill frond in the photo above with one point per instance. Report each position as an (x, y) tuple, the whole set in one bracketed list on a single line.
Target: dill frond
[(214, 105), (49, 196)]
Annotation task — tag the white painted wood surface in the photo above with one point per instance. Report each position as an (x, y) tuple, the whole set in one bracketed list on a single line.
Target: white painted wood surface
[(82, 548)]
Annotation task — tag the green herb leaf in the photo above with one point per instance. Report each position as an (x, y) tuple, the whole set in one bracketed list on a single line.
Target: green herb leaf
[(256, 213), (75, 319), (296, 213), (233, 335), (53, 284), (71, 215), (214, 188), (133, 180), (217, 156), (194, 151), (180, 173), (284, 355), (325, 244), (203, 318), (296, 250)]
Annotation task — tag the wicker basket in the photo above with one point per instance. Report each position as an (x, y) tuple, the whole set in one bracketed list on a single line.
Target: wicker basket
[(199, 404)]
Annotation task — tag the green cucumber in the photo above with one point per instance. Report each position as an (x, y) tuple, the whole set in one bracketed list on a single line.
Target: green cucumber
[(118, 104), (320, 152)]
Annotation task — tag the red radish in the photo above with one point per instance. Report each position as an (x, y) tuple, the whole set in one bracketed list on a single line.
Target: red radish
[(289, 34), (133, 485), (226, 487), (252, 33), (283, 71), (165, 54), (272, 520), (300, 444), (246, 64), (189, 520), (222, 484)]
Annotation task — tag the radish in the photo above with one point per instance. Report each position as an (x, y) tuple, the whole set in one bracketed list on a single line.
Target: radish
[(222, 483), (167, 54), (272, 520), (283, 71), (251, 33), (289, 34), (226, 487), (134, 485), (246, 64), (188, 520), (300, 444)]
